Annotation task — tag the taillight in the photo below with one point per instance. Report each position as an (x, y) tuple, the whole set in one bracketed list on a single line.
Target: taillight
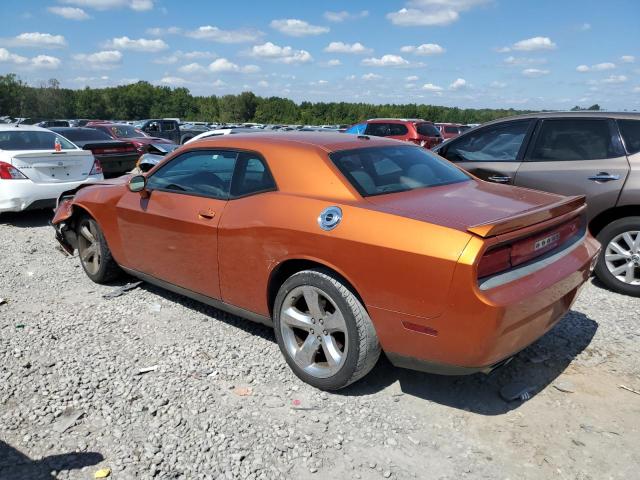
[(9, 172), (97, 168), (494, 261), (520, 251), (139, 147)]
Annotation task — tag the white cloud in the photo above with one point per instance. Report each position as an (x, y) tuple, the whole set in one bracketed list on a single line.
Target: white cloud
[(297, 28), (430, 87), (497, 84), (263, 83), (519, 61), (160, 31), (180, 55), (615, 79), (603, 66), (636, 89), (533, 44), (411, 78), (344, 15), (585, 27), (216, 34), (139, 45), (137, 5), (192, 68), (386, 61), (627, 59), (36, 40), (534, 72), (103, 60), (271, 51), (45, 62), (222, 65), (458, 84), (70, 13), (598, 67), (39, 62), (424, 49), (341, 47), (334, 62), (371, 76), (169, 80), (431, 12)]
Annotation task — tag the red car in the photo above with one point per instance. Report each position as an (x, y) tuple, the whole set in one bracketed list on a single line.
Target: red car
[(129, 133), (417, 131), (449, 130)]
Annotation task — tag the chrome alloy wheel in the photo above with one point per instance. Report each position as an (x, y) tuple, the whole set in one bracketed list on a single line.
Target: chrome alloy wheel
[(314, 331), (89, 247), (622, 257)]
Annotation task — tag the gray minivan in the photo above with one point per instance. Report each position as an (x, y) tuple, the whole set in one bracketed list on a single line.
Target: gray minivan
[(595, 154)]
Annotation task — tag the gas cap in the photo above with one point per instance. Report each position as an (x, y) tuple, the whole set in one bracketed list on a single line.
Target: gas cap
[(330, 218)]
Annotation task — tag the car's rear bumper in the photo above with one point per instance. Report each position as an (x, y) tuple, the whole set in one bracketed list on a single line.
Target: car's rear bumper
[(481, 328), (19, 195)]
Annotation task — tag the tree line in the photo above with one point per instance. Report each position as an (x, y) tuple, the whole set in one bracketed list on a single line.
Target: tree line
[(143, 100)]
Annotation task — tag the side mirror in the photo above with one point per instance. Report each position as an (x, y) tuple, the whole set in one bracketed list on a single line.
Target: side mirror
[(137, 183)]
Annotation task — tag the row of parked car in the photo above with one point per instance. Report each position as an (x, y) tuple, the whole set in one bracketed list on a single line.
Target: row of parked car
[(580, 153)]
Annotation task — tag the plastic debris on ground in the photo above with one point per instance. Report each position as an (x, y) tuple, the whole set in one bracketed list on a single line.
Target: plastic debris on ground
[(67, 420), (516, 391), (121, 290), (102, 473), (142, 370)]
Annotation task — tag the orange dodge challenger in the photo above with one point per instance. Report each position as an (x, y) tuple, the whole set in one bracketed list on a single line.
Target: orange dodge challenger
[(347, 245)]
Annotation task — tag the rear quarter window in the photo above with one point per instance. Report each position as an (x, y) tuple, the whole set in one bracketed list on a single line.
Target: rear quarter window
[(573, 139), (630, 130), (427, 129)]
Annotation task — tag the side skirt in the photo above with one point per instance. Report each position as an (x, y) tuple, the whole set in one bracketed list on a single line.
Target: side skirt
[(214, 302)]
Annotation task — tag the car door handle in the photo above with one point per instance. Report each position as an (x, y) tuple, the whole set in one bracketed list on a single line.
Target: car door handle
[(499, 179), (604, 177), (207, 214)]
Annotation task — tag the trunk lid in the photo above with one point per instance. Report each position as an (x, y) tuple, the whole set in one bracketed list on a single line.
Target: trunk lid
[(482, 208), (49, 166)]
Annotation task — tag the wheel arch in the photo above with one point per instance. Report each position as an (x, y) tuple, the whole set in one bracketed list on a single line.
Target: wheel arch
[(291, 266), (611, 215)]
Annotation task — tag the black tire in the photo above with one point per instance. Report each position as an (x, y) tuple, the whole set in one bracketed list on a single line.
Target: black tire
[(606, 235), (362, 345), (107, 268)]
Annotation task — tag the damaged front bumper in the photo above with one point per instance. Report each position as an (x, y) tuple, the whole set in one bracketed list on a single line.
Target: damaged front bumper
[(62, 224)]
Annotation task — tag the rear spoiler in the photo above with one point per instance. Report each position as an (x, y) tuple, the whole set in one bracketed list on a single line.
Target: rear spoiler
[(530, 217)]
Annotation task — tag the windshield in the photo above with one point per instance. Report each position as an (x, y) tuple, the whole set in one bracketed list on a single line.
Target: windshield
[(32, 140), (83, 134), (379, 170), (126, 131)]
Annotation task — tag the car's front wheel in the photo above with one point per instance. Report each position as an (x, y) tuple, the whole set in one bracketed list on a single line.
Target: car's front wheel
[(324, 331), (619, 264), (94, 252)]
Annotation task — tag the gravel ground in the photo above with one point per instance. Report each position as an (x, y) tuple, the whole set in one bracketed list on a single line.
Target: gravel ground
[(223, 404)]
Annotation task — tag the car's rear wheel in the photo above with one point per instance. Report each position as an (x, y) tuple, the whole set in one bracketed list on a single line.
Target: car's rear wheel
[(619, 263), (94, 253), (324, 331)]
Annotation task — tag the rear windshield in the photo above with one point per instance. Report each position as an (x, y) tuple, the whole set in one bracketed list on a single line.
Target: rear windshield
[(84, 134), (30, 140), (427, 129), (379, 170), (126, 131)]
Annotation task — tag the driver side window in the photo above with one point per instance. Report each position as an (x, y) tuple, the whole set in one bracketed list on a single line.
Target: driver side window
[(201, 172), (500, 143)]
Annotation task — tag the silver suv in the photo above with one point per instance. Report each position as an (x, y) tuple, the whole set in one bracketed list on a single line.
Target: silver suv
[(579, 153)]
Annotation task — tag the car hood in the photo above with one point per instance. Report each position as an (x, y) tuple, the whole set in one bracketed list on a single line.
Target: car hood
[(465, 204)]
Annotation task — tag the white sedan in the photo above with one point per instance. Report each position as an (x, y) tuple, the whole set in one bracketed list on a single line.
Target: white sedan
[(223, 131), (37, 165)]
